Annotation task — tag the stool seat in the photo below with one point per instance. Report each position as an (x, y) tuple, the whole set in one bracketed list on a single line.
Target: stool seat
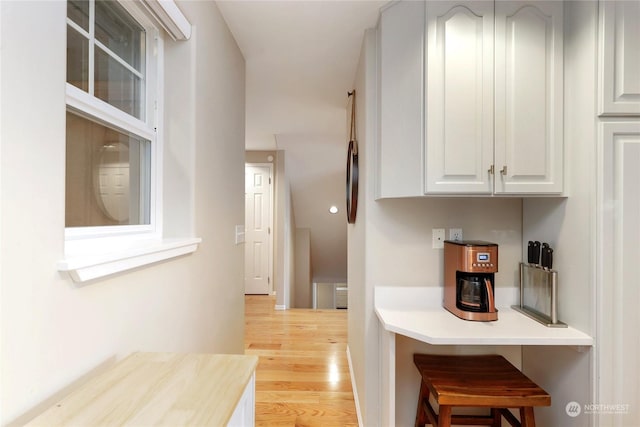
[(475, 381)]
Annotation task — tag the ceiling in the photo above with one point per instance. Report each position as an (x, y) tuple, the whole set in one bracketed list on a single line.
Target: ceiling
[(301, 59)]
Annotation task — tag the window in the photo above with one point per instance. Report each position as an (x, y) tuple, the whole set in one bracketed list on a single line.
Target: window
[(112, 146)]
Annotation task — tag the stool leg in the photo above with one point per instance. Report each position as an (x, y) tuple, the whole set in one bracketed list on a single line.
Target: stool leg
[(527, 419), (421, 416), (497, 417), (444, 416)]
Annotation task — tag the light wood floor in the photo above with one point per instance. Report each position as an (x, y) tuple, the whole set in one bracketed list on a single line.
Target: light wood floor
[(303, 374)]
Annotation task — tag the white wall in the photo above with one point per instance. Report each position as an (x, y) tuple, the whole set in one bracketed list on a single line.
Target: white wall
[(303, 268), (360, 350), (289, 252), (54, 331), (569, 226), (390, 245)]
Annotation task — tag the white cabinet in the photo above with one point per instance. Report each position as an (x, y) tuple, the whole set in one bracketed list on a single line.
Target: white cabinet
[(459, 97), (486, 117), (401, 93), (618, 203), (618, 365), (619, 73), (244, 415), (529, 97)]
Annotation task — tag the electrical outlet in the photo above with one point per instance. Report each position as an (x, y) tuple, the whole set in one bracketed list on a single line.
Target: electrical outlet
[(455, 234), (438, 238)]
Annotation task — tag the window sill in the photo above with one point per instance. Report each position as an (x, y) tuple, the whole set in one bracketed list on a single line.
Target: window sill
[(85, 267)]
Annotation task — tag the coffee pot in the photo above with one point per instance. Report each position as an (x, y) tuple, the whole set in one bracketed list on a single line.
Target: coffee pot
[(470, 268), (475, 293)]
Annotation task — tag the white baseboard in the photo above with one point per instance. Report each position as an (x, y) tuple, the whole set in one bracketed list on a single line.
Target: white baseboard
[(281, 307), (355, 389)]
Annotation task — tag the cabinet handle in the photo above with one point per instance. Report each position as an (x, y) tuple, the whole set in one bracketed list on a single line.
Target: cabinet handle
[(503, 171), (491, 170)]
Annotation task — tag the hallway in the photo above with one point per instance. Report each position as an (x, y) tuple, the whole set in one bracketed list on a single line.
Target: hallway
[(302, 377)]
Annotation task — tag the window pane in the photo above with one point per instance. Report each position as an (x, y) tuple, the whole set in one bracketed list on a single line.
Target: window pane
[(107, 176), (78, 12), (119, 32), (117, 85), (77, 59)]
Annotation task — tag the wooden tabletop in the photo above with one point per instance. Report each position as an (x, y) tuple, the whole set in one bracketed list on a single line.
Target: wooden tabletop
[(157, 389)]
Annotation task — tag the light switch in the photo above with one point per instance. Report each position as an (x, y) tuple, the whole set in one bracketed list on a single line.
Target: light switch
[(239, 234)]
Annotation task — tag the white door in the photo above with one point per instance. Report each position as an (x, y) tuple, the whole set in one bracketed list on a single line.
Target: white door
[(620, 58), (459, 97), (619, 293), (529, 95), (258, 246)]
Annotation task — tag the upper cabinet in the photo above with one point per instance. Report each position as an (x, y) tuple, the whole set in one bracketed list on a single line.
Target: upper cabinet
[(401, 94), (529, 97), (459, 97), (489, 115), (620, 58)]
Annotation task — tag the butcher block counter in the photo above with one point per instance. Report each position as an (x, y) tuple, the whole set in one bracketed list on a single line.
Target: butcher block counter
[(163, 389)]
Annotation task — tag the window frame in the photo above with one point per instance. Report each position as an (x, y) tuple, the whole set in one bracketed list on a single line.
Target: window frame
[(148, 127)]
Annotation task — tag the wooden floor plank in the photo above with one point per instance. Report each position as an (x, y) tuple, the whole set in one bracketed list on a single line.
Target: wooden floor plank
[(302, 377)]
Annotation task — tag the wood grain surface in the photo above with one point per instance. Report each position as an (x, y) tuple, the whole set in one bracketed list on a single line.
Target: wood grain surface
[(160, 389), (302, 377)]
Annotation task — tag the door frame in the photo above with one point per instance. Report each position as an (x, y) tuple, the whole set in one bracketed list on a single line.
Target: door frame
[(271, 262)]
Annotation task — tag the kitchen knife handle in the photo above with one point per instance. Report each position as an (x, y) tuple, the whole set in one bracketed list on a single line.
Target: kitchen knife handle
[(530, 252), (549, 258), (544, 257), (536, 252)]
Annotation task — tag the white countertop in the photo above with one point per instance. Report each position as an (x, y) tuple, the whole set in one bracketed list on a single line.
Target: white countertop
[(417, 313)]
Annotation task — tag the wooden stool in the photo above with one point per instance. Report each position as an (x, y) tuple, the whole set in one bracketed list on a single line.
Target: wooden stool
[(475, 381)]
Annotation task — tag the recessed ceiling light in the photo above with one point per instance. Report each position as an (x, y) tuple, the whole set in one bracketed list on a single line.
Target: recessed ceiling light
[(333, 209)]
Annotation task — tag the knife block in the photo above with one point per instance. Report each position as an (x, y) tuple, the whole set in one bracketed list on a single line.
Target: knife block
[(539, 295)]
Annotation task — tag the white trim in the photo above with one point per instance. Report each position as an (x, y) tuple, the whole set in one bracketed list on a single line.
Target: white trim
[(78, 28), (92, 50), (111, 54), (138, 232), (83, 102), (83, 268), (281, 307), (170, 17), (314, 295), (387, 377), (354, 388)]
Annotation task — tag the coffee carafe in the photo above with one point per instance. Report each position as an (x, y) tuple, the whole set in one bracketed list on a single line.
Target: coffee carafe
[(469, 289)]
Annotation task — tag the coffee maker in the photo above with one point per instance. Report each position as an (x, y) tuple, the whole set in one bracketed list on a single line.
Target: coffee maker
[(469, 273)]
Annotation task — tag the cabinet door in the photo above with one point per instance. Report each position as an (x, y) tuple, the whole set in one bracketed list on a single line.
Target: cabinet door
[(618, 254), (459, 97), (529, 94), (401, 91), (619, 58), (244, 413)]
